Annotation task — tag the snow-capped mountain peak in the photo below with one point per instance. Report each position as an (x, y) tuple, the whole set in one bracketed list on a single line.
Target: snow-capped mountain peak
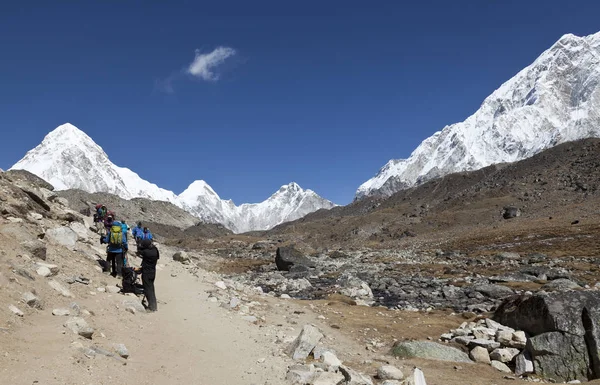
[(554, 100), (69, 159)]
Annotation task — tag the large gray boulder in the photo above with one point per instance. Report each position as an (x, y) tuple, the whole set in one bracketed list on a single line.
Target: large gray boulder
[(563, 329), (429, 350), (64, 236), (304, 344), (288, 256)]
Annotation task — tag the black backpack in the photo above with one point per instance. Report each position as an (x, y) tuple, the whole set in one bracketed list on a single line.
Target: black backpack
[(129, 281)]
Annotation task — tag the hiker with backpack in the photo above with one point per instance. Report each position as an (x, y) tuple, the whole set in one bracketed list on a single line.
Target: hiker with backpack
[(150, 255), (137, 233), (116, 249), (146, 234)]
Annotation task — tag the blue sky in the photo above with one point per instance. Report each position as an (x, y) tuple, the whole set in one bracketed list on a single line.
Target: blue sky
[(322, 93)]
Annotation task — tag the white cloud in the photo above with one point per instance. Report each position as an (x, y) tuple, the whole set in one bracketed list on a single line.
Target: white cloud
[(205, 64)]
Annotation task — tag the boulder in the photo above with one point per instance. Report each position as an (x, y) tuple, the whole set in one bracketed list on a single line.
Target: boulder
[(300, 374), (304, 344), (62, 236), (36, 248), (78, 326), (416, 378), (501, 367), (480, 354), (504, 355), (61, 289), (354, 287), (488, 344), (32, 300), (134, 304), (181, 256), (389, 372), (328, 378), (288, 256), (511, 212), (523, 364), (80, 230), (429, 350), (561, 284), (46, 269), (493, 291), (563, 329), (338, 255), (354, 378), (331, 361)]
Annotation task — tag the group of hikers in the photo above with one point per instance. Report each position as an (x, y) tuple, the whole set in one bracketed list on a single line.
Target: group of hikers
[(114, 234)]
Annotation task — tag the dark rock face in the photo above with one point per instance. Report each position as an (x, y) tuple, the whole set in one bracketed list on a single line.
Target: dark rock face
[(511, 212), (288, 256), (564, 332)]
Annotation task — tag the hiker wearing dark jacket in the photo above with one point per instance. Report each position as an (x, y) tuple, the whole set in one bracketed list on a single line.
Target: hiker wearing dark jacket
[(116, 249), (149, 254)]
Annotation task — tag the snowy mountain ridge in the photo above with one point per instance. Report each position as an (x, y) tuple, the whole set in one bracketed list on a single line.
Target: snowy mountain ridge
[(556, 99), (69, 159)]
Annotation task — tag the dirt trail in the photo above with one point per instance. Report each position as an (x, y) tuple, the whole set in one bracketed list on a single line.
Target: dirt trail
[(188, 341)]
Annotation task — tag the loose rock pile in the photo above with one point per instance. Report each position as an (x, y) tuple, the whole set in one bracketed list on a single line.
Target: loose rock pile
[(492, 343)]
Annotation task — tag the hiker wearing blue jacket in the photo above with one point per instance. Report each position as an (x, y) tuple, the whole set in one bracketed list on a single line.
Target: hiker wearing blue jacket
[(116, 249), (137, 233), (147, 234)]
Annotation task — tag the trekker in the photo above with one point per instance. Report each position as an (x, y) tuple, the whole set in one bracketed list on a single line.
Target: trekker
[(116, 249), (108, 222), (150, 255), (146, 234), (126, 233), (137, 233)]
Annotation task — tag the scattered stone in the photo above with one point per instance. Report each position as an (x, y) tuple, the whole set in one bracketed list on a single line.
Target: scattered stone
[(519, 339), (135, 304), (391, 382), (113, 289), (301, 374), (62, 236), (511, 212), (181, 256), (43, 271), (416, 378), (480, 354), (493, 291), (121, 350), (504, 337), (80, 230), (221, 285), (61, 312), (429, 350), (234, 302), (285, 296), (328, 378), (504, 355), (501, 367), (561, 284), (15, 310), (37, 248), (79, 326), (354, 378), (61, 289), (35, 216), (32, 300), (483, 333), (304, 344), (75, 307), (331, 361), (488, 344), (389, 372), (250, 318)]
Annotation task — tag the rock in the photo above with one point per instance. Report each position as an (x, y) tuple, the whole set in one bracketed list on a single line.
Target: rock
[(331, 361), (501, 367), (80, 230), (46, 269), (130, 309), (504, 337), (429, 350), (181, 256), (250, 318), (389, 372), (354, 287), (221, 285), (61, 312), (519, 340), (483, 333), (63, 236), (328, 378), (75, 308), (15, 310), (511, 212), (463, 340), (36, 248), (488, 344), (61, 289), (490, 323), (523, 364), (304, 344), (31, 300), (234, 302), (79, 326), (285, 296), (338, 255), (121, 350), (493, 291), (301, 374), (561, 284), (354, 378), (391, 382), (60, 200), (504, 355), (480, 354), (135, 304), (288, 256), (35, 216), (563, 329), (113, 289)]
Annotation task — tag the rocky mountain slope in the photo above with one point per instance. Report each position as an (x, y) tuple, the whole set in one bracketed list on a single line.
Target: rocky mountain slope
[(69, 159), (554, 100)]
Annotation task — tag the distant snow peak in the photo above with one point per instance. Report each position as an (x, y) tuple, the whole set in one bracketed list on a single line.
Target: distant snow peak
[(69, 159), (554, 100)]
